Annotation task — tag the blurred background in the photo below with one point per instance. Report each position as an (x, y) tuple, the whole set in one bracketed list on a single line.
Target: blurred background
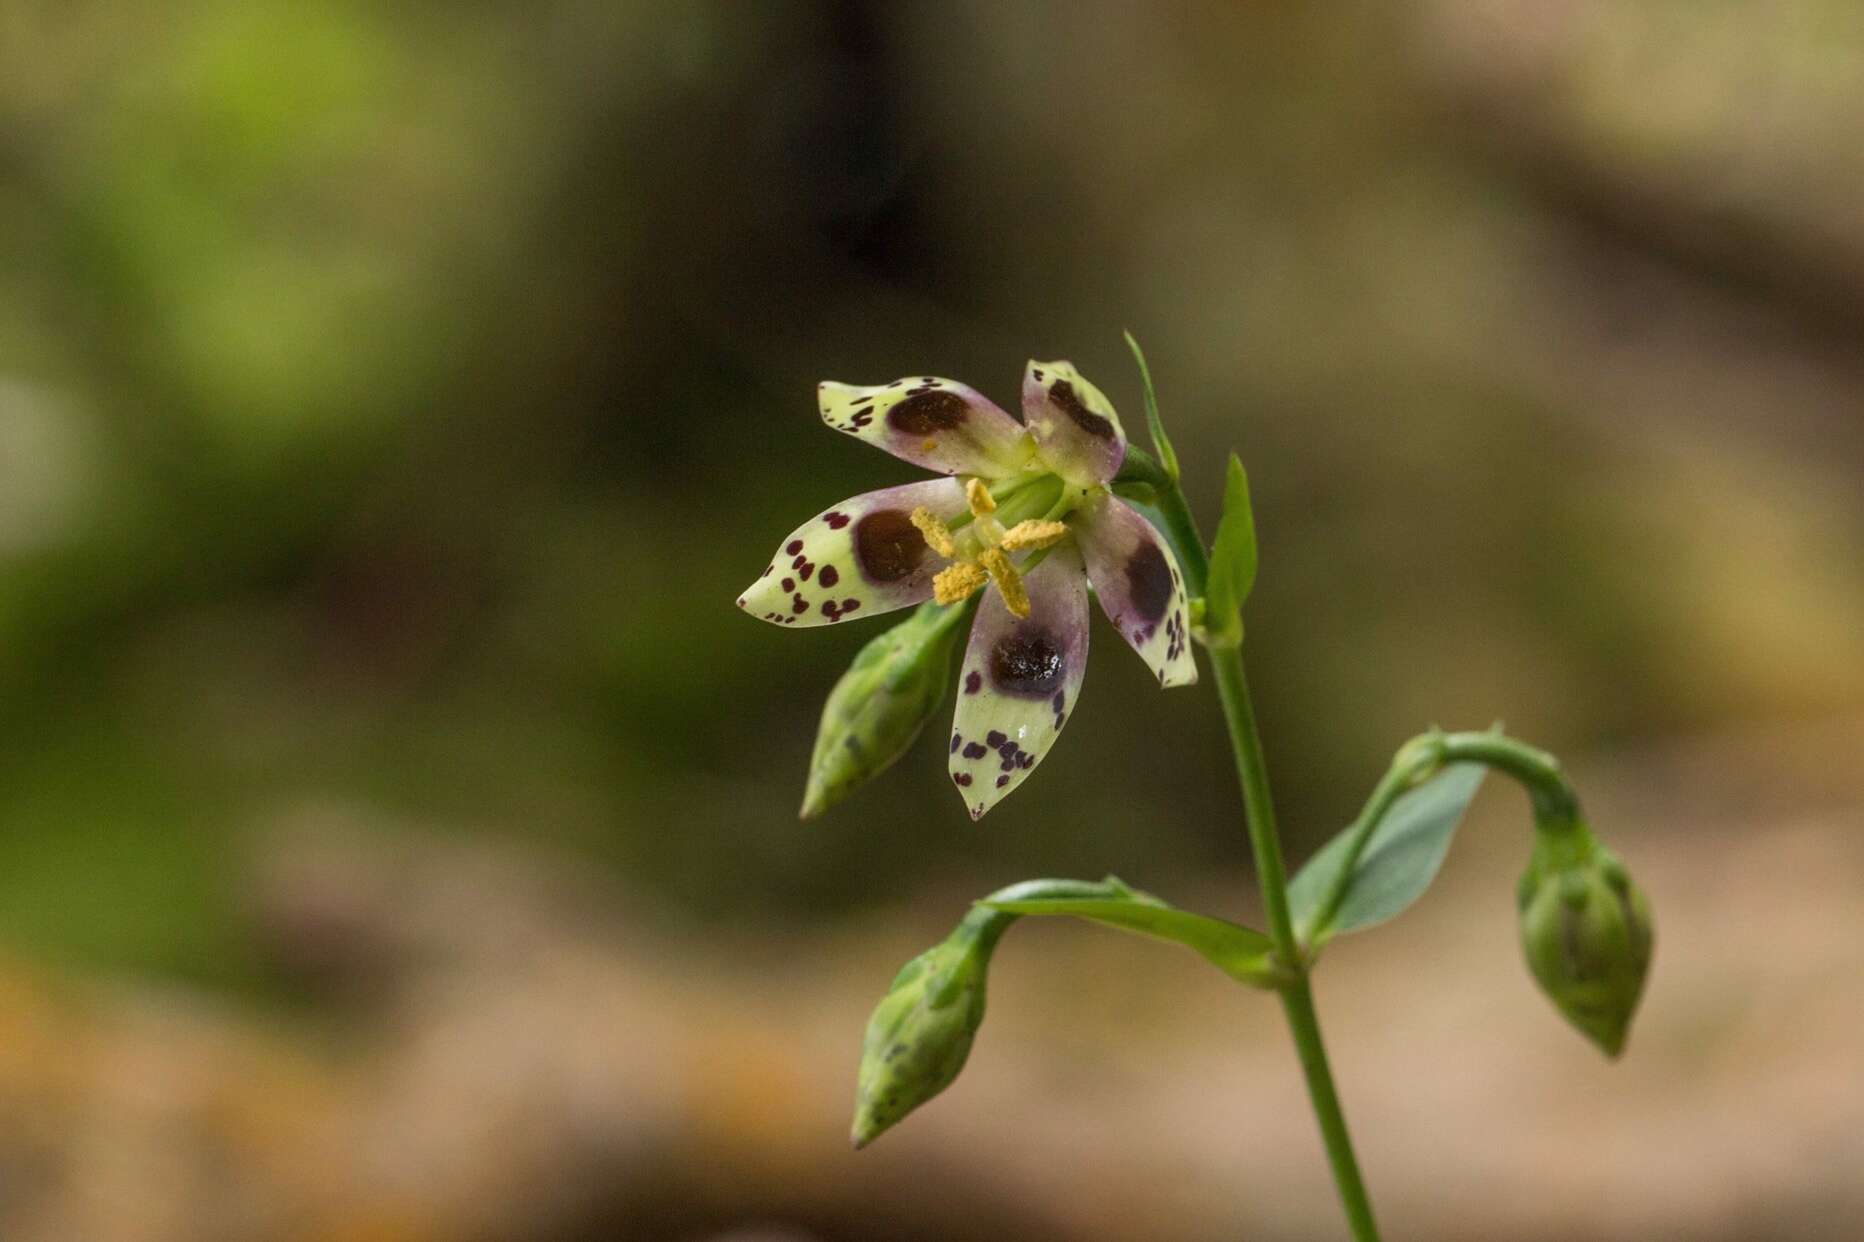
[(397, 819)]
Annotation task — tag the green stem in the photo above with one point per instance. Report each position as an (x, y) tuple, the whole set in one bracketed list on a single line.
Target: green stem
[(1271, 875), (1538, 772)]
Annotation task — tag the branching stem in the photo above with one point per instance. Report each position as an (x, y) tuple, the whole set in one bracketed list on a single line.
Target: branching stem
[(1259, 814)]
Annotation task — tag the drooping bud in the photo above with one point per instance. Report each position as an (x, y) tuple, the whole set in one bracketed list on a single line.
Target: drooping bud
[(880, 704), (1586, 930), (921, 1032)]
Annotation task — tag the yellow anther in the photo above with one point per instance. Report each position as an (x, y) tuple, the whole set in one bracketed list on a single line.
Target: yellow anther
[(1032, 533), (956, 582), (937, 537), (1009, 582), (983, 504)]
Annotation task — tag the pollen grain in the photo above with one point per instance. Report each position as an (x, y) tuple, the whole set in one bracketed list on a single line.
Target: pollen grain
[(1032, 533), (937, 536), (959, 581)]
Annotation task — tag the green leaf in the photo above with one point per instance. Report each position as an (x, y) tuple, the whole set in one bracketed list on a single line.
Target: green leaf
[(1168, 456), (1237, 951), (1232, 560), (1399, 862)]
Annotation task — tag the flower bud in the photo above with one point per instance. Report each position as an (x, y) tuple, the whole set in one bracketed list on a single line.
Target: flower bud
[(880, 704), (921, 1032), (1587, 933)]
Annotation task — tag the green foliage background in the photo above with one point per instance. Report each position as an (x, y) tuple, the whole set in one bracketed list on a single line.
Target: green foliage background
[(393, 400)]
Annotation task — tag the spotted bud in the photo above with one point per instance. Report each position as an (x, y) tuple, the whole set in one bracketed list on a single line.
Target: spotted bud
[(881, 703), (921, 1032), (1587, 932)]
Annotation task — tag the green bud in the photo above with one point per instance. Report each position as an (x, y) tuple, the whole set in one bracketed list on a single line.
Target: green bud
[(1586, 930), (921, 1032), (881, 703)]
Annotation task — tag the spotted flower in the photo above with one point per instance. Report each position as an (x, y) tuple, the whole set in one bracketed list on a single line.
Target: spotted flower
[(1024, 514)]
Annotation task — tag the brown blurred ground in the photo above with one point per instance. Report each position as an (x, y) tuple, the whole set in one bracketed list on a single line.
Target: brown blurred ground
[(507, 1031)]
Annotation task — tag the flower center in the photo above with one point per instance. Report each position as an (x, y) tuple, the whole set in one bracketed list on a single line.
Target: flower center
[(980, 551)]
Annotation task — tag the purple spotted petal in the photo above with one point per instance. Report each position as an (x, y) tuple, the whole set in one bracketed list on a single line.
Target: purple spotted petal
[(1076, 430), (1140, 587), (860, 558), (935, 423), (1020, 681)]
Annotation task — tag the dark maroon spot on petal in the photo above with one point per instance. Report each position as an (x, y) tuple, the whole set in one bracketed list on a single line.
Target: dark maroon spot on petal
[(961, 778), (1060, 701), (973, 682), (974, 750), (830, 576), (995, 738), (887, 545), (799, 605), (1025, 760), (1002, 781), (836, 520), (1027, 662), (805, 569), (956, 740), (928, 410), (793, 546), (789, 584), (1062, 393), (1008, 765), (1148, 581), (1038, 374)]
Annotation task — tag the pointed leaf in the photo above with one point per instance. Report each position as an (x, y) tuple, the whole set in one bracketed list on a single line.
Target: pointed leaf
[(1399, 862), (1161, 444), (1237, 951), (1232, 559)]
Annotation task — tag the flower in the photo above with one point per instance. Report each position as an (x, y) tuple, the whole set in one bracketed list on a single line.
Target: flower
[(1025, 513)]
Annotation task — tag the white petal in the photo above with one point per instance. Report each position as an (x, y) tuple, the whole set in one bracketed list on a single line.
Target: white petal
[(1076, 430), (936, 423), (862, 557), (1139, 584), (1021, 677)]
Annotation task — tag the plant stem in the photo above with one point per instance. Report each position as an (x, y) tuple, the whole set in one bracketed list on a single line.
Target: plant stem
[(1259, 814)]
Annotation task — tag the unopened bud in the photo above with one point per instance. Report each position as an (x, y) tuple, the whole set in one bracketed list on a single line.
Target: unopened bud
[(921, 1032), (1587, 932), (880, 704)]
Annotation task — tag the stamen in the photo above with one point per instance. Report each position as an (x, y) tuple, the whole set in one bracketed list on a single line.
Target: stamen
[(956, 582), (937, 536), (982, 502), (1009, 582), (1032, 533)]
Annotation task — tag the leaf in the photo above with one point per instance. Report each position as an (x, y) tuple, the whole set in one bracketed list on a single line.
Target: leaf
[(1398, 864), (1237, 951), (1168, 456), (1232, 559)]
